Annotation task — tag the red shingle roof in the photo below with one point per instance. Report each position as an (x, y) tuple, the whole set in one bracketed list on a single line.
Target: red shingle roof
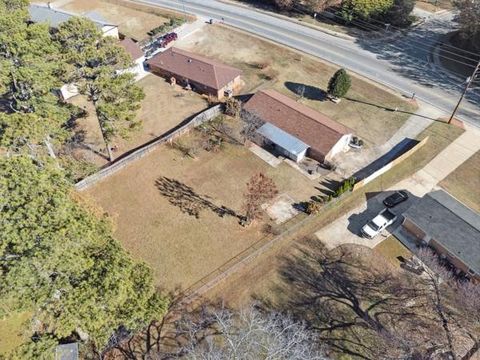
[(132, 48), (202, 70), (313, 128)]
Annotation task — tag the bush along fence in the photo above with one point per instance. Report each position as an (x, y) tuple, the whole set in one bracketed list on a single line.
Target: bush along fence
[(120, 163)]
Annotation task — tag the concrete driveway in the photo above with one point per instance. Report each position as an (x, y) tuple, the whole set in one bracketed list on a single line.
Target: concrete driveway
[(346, 229)]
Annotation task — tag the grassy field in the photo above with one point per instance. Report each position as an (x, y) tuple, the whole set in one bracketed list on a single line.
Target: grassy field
[(266, 65), (163, 108), (151, 199), (131, 22), (11, 331), (464, 182), (257, 279), (391, 248)]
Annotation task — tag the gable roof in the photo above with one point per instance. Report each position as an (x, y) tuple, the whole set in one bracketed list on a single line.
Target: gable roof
[(311, 127), (132, 48), (451, 224), (202, 70), (54, 17)]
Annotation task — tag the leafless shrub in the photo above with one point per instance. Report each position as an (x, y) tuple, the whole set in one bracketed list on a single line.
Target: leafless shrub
[(251, 122)]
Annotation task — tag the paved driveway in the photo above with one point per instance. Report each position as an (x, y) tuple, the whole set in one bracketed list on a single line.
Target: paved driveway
[(346, 229)]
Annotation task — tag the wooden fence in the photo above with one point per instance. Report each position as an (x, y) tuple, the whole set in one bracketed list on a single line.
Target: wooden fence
[(201, 118)]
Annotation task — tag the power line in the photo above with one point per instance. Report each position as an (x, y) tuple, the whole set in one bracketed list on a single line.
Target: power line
[(369, 27)]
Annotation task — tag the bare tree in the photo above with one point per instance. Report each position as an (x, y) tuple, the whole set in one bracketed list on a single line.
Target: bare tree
[(455, 303), (251, 122), (233, 107), (249, 334), (260, 189)]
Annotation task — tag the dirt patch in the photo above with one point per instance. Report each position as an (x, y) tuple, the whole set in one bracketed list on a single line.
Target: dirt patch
[(179, 214), (367, 108), (131, 22), (464, 182)]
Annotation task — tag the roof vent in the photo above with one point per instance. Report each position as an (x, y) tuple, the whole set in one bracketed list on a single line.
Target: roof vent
[(189, 60)]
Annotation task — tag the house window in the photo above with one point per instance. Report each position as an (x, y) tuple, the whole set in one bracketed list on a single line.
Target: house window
[(471, 272)]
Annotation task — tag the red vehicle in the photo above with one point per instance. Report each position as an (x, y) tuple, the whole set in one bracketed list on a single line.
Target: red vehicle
[(167, 39)]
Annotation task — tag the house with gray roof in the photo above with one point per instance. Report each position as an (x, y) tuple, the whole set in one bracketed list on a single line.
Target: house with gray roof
[(449, 227), (54, 17)]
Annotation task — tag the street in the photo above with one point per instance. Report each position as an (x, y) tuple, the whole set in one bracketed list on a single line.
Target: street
[(404, 63)]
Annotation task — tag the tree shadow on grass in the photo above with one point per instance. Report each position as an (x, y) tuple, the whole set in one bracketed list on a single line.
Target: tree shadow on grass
[(306, 91), (357, 307), (188, 201)]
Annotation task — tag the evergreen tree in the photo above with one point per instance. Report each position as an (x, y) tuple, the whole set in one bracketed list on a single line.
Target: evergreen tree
[(339, 84), (95, 62), (61, 262)]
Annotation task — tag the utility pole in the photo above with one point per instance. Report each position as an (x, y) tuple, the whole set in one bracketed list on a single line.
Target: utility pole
[(469, 81)]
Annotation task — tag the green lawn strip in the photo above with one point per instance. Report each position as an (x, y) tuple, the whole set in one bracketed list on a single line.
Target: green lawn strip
[(464, 182)]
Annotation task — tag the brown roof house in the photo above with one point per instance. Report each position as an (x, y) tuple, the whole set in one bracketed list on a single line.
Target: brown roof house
[(449, 227), (295, 130), (137, 55), (200, 73)]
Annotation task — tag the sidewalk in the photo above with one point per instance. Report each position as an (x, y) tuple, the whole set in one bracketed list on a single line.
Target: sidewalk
[(444, 163)]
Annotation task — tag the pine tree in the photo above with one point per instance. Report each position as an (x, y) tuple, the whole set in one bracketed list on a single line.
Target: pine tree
[(339, 84), (61, 262)]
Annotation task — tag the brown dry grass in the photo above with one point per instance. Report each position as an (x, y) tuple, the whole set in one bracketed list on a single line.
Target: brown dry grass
[(181, 248), (258, 279), (391, 248), (131, 22), (163, 108), (464, 182), (363, 111)]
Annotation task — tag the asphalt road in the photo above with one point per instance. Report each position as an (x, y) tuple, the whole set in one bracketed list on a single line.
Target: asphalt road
[(404, 63)]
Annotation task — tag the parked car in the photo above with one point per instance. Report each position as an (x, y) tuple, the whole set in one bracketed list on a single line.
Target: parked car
[(378, 223), (167, 39), (396, 198)]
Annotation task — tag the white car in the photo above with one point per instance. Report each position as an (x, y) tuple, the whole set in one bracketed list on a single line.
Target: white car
[(378, 223)]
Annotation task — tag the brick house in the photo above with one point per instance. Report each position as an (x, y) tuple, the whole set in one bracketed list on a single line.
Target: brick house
[(201, 74), (449, 227), (295, 130)]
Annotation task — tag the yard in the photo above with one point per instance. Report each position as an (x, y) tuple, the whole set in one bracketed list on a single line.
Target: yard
[(391, 248), (163, 108), (133, 21), (12, 327), (464, 182), (366, 108), (257, 279), (170, 209)]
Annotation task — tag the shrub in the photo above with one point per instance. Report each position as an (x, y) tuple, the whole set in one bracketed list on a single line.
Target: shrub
[(339, 84), (233, 107), (313, 207)]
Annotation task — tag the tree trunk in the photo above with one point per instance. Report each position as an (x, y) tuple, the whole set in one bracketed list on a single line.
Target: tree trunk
[(49, 146), (109, 150)]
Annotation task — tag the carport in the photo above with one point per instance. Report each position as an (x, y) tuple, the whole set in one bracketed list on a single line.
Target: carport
[(286, 144)]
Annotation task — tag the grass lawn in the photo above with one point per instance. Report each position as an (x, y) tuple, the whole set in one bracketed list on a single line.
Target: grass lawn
[(391, 248), (11, 331), (285, 70), (132, 22), (464, 182), (258, 278), (163, 108), (157, 228)]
